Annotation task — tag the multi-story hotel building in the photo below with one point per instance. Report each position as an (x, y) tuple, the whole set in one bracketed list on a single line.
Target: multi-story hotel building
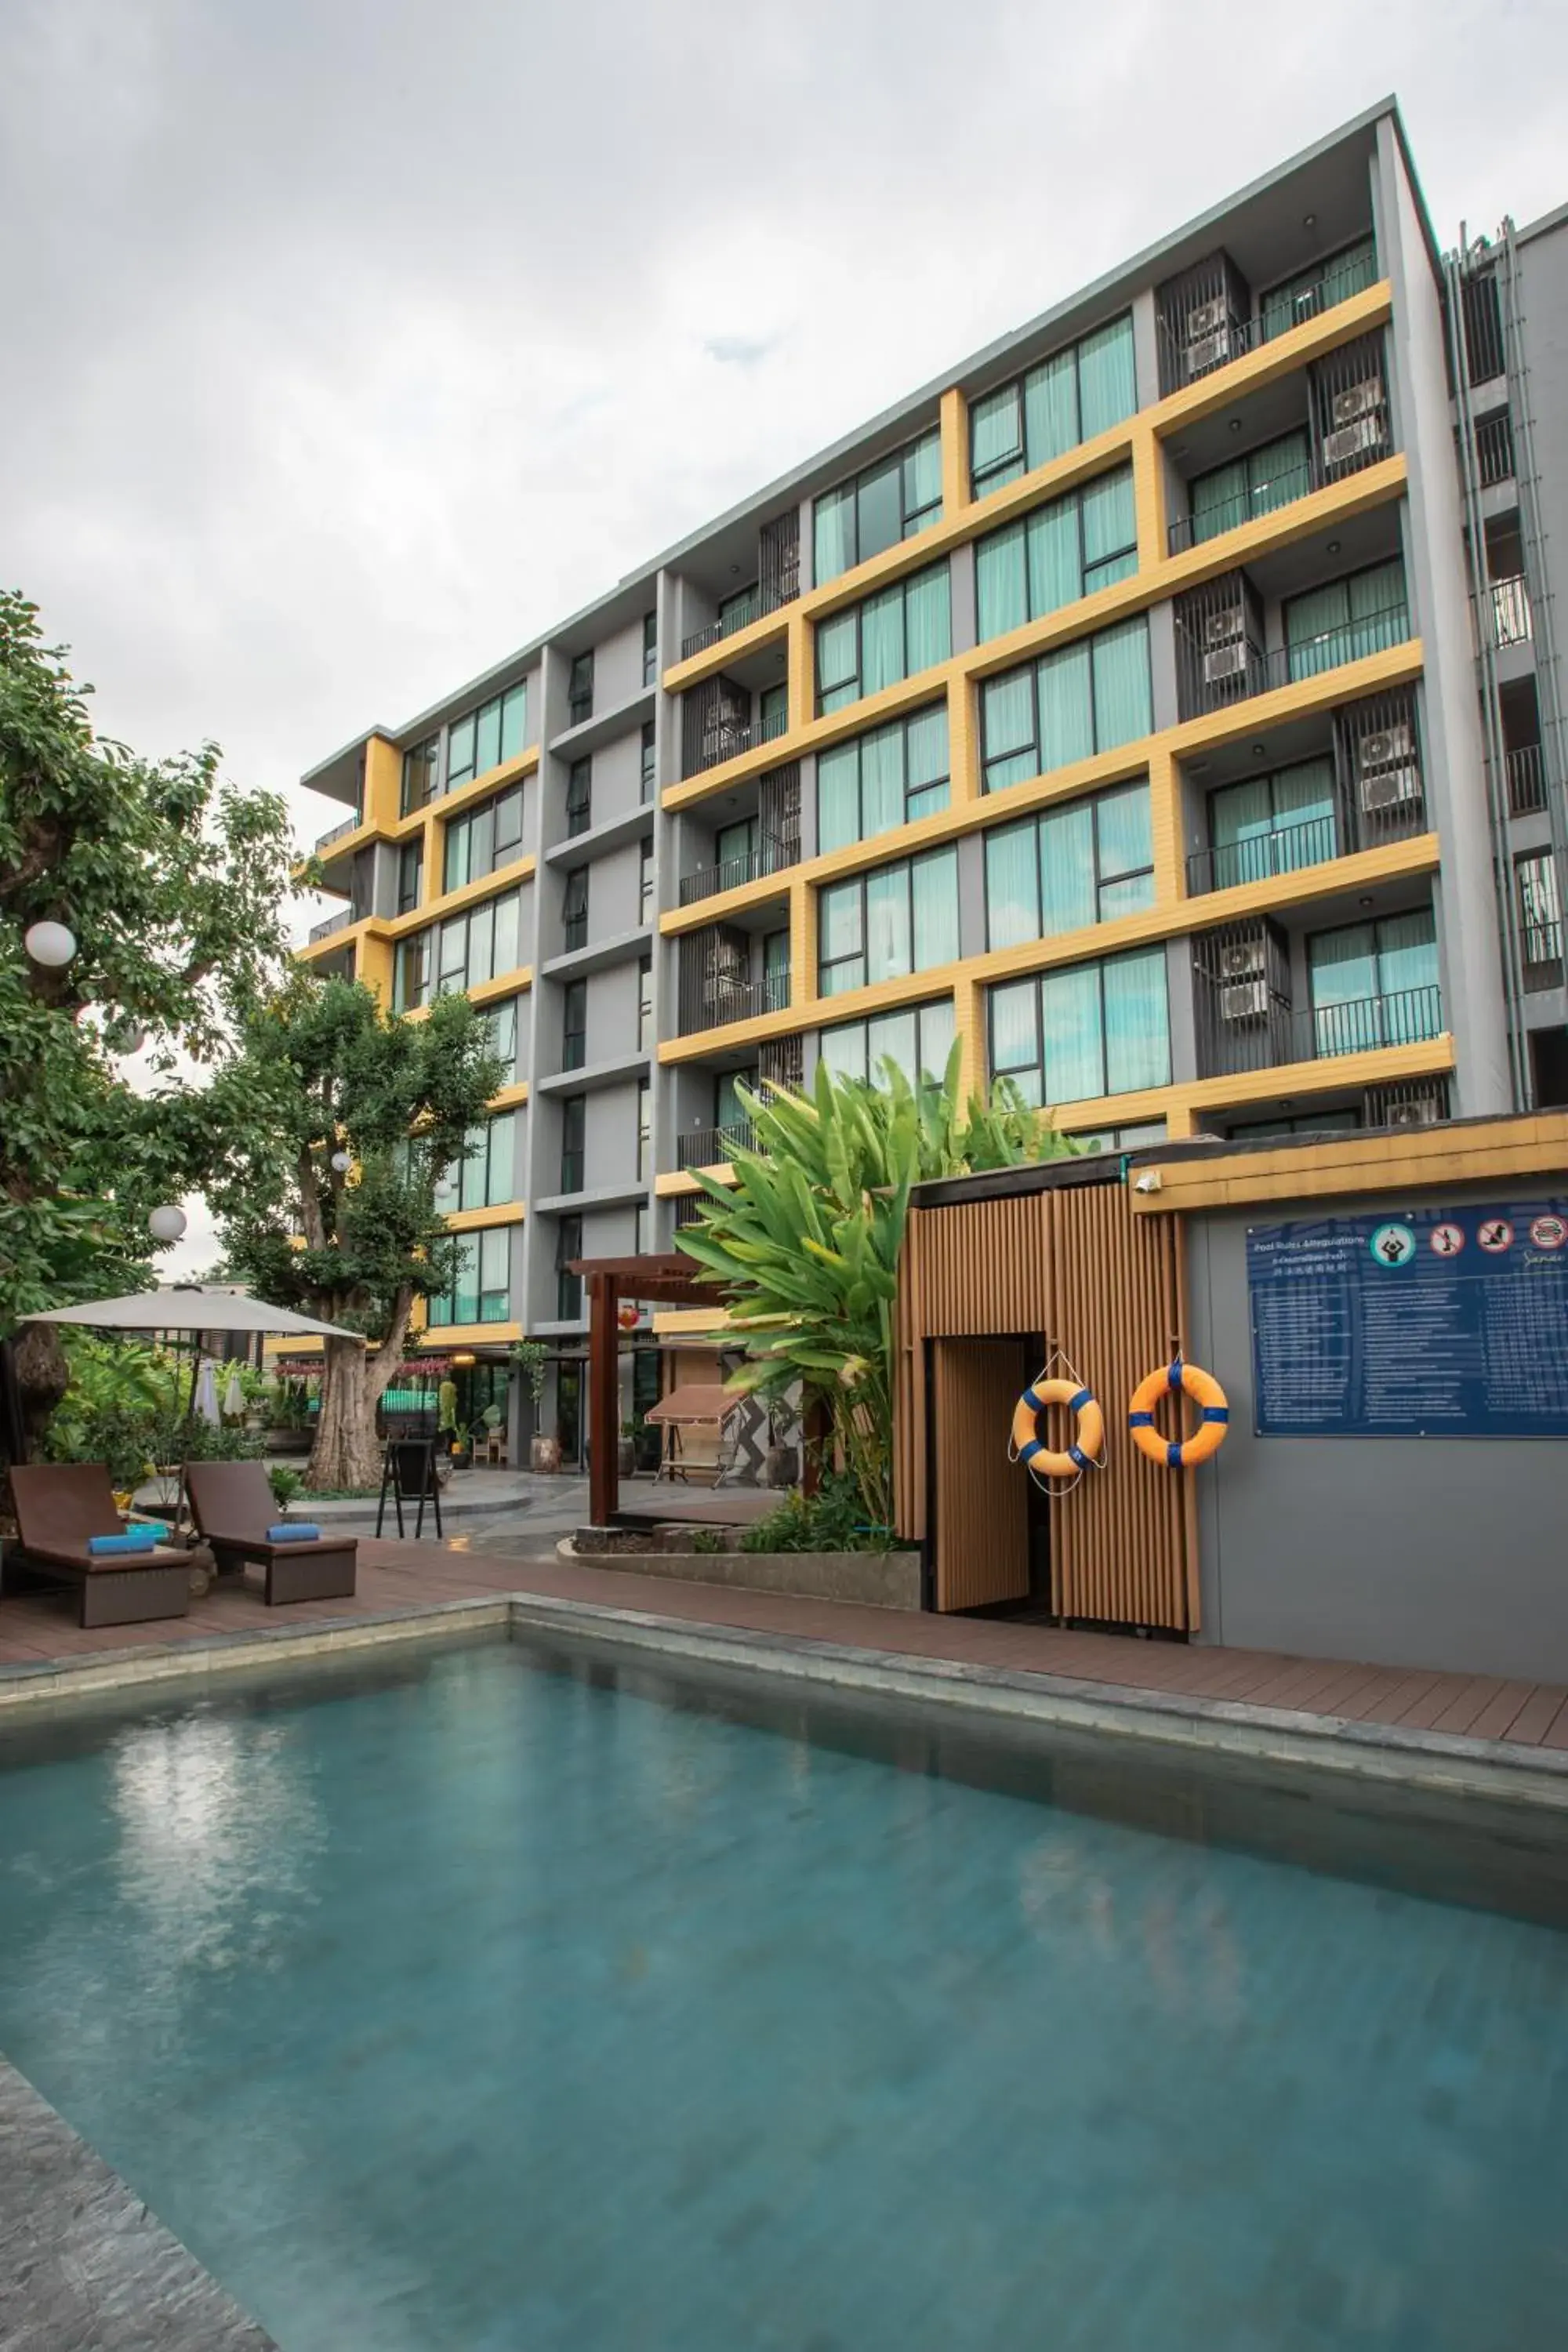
[(1163, 703)]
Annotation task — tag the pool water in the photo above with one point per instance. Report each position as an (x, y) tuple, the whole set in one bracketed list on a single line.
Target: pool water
[(503, 1997)]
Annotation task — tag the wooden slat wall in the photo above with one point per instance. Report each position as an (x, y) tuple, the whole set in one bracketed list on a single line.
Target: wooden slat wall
[(982, 1518), (1106, 1287)]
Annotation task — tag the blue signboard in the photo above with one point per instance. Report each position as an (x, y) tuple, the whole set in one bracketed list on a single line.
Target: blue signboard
[(1418, 1323)]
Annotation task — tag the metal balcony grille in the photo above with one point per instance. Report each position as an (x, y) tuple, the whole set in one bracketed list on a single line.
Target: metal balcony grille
[(710, 1147), (768, 857), (1215, 668), (1235, 1039), (1264, 855), (1494, 449), (338, 922), (1526, 780), (1510, 610), (778, 584), (338, 833), (1482, 311)]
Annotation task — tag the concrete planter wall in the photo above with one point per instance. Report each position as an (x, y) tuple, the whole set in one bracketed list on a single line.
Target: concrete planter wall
[(879, 1579)]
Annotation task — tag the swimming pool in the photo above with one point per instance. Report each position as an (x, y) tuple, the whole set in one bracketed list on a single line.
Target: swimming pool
[(512, 1996)]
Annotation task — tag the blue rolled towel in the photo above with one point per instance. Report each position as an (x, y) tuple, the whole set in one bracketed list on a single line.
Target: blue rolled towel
[(134, 1539), (294, 1531)]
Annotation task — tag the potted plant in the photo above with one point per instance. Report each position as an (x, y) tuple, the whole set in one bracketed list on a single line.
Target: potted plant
[(627, 1451), (531, 1356)]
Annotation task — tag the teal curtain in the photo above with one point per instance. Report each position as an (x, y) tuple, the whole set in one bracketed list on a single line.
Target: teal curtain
[(1278, 472), (1126, 832), (1377, 609), (1106, 378), (1303, 815), (888, 923), (1122, 704), (937, 1033), (1342, 969), (882, 640), (734, 845), (1137, 1025), (514, 720), (1318, 288), (923, 485), (926, 759), (456, 865), (1015, 1032), (881, 780), (1011, 884), (486, 738), (839, 796), (1110, 527), (1007, 729), (495, 1274), (935, 894), (844, 1049), (1314, 628), (840, 938), (929, 619), (1001, 585), (1219, 501), (833, 534), (1241, 823), (836, 679), (1407, 955), (502, 1155), (1050, 408), (880, 508), (1066, 707), (995, 442), (1069, 1018), (1066, 870), (505, 956), (891, 1036), (1056, 571)]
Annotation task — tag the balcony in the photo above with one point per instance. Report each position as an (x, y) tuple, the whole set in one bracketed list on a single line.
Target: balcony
[(1217, 667), (1279, 490), (720, 982), (1248, 1028), (737, 616), (1526, 780), (710, 1147), (338, 922), (768, 857), (338, 833), (1494, 449), (1203, 319), (1540, 951), (778, 584), (1510, 612)]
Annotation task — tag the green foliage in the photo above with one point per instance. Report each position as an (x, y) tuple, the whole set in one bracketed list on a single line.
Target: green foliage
[(708, 1541), (174, 885), (531, 1356), (806, 1247), (126, 1405), (832, 1520), (287, 1484)]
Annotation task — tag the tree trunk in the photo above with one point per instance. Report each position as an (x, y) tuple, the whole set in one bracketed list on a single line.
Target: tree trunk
[(43, 1376), (347, 1451)]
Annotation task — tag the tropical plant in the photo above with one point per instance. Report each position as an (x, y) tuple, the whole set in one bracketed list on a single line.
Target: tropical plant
[(118, 1397), (832, 1520), (531, 1356), (806, 1246), (286, 1482)]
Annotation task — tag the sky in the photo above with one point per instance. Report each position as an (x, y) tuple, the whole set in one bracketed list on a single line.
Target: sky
[(351, 343)]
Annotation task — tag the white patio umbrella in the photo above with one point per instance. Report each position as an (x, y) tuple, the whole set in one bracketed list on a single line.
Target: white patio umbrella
[(204, 1397), (234, 1397), (192, 1306)]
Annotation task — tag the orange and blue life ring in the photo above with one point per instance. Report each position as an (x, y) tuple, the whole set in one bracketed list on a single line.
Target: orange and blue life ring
[(1205, 1439), (1030, 1448)]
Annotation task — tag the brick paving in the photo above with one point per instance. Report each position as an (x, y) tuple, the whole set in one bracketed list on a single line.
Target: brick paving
[(38, 1626)]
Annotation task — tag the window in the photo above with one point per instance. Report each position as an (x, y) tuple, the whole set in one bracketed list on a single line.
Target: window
[(579, 691), (575, 910), (886, 637), (645, 1361), (1122, 1139), (730, 1117), (1374, 984), (1317, 289), (888, 502), (410, 876), (579, 797), (1070, 398), (1273, 825), (568, 1286), (644, 879), (459, 954), (1539, 916), (1254, 485), (1062, 552), (888, 778), (1092, 1029), (895, 919), (918, 1039), (1087, 696), (494, 732), (644, 1130), (485, 1178), (420, 767), (1085, 864), (574, 1024), (774, 713), (481, 1292), (501, 1019), (484, 840), (650, 648), (645, 1004), (648, 761), (574, 1127), (1361, 614), (776, 971)]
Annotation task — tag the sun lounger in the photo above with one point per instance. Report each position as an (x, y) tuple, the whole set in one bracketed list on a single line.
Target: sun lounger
[(232, 1504), (61, 1506)]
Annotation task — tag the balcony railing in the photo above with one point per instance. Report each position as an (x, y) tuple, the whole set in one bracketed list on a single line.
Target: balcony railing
[(1183, 361), (768, 857), (1510, 610), (1526, 780), (1264, 857), (1494, 449), (338, 922), (709, 1147), (1225, 674), (718, 999), (338, 833), (739, 615), (1278, 1036), (1281, 490), (1541, 946)]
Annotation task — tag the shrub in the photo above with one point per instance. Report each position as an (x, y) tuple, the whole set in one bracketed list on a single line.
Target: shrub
[(833, 1519)]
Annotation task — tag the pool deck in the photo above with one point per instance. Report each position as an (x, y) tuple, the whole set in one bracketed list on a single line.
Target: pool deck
[(38, 1632)]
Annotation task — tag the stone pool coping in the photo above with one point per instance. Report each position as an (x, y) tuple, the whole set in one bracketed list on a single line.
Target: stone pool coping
[(1434, 1761)]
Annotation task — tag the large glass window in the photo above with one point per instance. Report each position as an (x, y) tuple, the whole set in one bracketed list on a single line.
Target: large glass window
[(1070, 398), (574, 1025), (421, 765), (897, 918), (888, 778), (1317, 289), (568, 1286), (644, 1130), (888, 502), (460, 953), (1254, 485), (650, 649), (483, 840), (486, 1177), (647, 760), (1375, 983), (1364, 614), (579, 691), (410, 875), (1085, 698), (916, 1038), (776, 971), (645, 1004), (1084, 864), (482, 1291), (575, 910), (1062, 552), (1274, 823), (773, 707), (497, 730), (644, 879), (902, 631), (573, 1129), (1539, 915), (1093, 1029), (579, 797), (501, 1019)]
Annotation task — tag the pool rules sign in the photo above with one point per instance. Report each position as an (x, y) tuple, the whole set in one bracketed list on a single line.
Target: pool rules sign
[(1419, 1323)]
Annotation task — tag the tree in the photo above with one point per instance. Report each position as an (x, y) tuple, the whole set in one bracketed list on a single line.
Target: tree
[(173, 886), (325, 1077), (806, 1246)]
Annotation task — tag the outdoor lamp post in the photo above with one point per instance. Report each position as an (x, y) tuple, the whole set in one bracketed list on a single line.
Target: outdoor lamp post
[(49, 944)]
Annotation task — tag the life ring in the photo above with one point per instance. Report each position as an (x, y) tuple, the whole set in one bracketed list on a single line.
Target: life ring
[(1205, 1439), (1029, 1448)]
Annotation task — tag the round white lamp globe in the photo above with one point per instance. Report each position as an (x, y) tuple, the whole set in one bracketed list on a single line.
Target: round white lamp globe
[(342, 1161), (49, 944), (167, 1225)]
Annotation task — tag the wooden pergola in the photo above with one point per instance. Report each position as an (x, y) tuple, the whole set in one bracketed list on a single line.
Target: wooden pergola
[(662, 1281)]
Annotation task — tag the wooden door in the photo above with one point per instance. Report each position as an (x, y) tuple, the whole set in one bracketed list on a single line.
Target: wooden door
[(982, 1499)]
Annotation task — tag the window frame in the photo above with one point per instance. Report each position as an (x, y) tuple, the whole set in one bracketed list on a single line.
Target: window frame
[(579, 796), (574, 918), (1034, 667), (492, 1303), (901, 727), (574, 1033), (852, 689), (1012, 467), (574, 1143), (1124, 556), (644, 1131), (1152, 954), (855, 886), (1060, 812), (648, 775), (462, 766), (914, 518), (927, 1066), (645, 1004), (427, 946), (425, 756), (650, 648), (648, 877), (466, 826), (476, 1191), (410, 860), (568, 1286), (580, 689)]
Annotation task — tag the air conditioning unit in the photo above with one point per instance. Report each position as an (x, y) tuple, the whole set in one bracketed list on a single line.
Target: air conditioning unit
[(1209, 352), (1419, 1110), (1208, 318), (1358, 399), (1224, 661), (1246, 999), (1219, 628), (1354, 440), (1243, 959), (1386, 747), (1389, 788)]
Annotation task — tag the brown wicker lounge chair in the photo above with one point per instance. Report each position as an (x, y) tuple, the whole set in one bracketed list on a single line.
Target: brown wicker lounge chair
[(59, 1505), (232, 1504)]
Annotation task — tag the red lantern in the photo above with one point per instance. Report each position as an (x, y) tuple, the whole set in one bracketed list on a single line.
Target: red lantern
[(628, 1315)]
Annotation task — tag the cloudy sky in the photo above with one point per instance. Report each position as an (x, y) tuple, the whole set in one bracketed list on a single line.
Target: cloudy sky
[(350, 343)]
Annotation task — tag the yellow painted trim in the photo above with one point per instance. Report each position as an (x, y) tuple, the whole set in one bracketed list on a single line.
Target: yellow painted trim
[(1267, 363), (677, 1319), (444, 1336), (1470, 1152), (757, 634), (458, 902), (472, 1220), (511, 1097), (952, 421)]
